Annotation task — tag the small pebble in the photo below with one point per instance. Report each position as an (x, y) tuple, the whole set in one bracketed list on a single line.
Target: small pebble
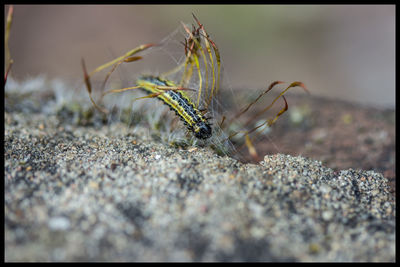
[(59, 223)]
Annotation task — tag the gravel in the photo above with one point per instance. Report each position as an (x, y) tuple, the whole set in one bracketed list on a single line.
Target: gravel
[(112, 193)]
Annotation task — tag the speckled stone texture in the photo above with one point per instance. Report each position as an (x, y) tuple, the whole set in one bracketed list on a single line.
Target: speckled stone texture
[(107, 193)]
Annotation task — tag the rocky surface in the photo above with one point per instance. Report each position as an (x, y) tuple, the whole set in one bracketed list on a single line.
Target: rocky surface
[(111, 193)]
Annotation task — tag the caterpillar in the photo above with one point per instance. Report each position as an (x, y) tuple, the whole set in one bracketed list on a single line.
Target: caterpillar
[(178, 102)]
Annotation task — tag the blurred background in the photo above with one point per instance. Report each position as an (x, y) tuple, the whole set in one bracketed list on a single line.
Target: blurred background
[(341, 52)]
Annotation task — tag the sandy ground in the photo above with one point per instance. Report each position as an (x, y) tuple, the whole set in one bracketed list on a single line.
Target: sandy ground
[(80, 191)]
